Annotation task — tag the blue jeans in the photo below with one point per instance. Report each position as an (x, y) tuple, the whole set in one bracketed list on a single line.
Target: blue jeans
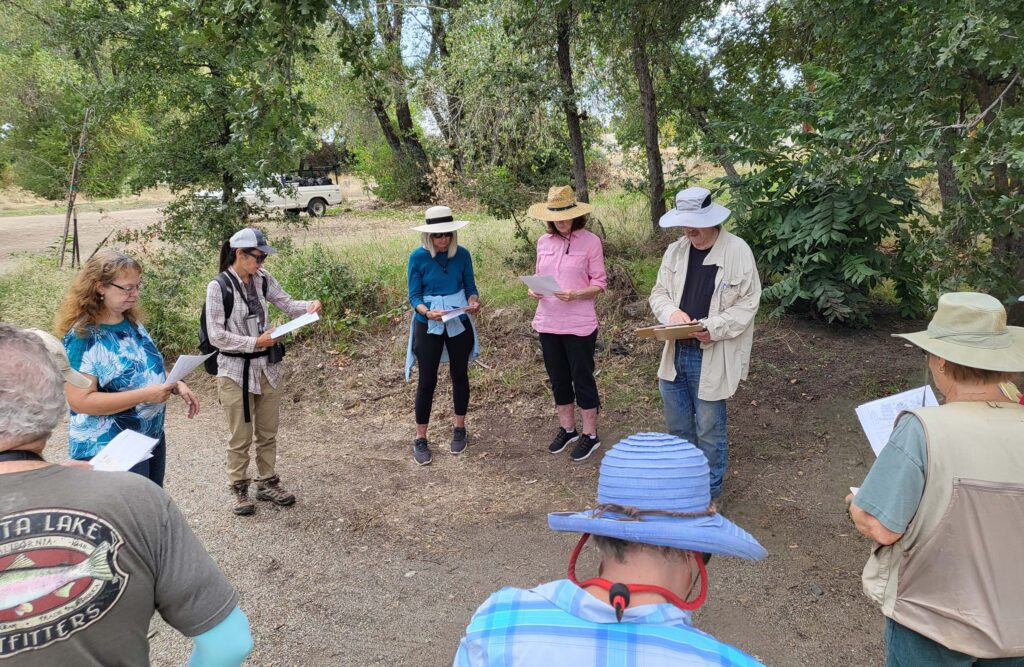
[(154, 468), (906, 648), (688, 417)]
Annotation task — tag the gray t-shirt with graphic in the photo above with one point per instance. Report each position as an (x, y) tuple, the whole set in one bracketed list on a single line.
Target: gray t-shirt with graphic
[(85, 559)]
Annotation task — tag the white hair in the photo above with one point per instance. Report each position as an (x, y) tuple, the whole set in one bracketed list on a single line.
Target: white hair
[(453, 247), (31, 389)]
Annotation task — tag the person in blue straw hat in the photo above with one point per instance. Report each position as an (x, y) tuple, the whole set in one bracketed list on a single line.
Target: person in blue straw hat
[(656, 528)]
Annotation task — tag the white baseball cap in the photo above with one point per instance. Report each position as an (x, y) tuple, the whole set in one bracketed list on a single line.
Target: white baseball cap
[(250, 237), (60, 357)]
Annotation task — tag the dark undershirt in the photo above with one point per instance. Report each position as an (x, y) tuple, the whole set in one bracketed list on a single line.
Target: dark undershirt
[(699, 285)]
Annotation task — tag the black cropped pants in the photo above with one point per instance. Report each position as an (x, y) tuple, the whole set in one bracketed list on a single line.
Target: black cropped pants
[(428, 348), (569, 361)]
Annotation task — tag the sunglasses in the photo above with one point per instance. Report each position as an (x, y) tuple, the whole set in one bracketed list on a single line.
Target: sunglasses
[(442, 235), (259, 258)]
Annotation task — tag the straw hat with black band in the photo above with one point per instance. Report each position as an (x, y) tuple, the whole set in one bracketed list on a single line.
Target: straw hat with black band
[(970, 329), (439, 220), (560, 205)]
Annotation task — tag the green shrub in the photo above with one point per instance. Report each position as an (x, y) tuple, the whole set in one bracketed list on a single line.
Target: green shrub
[(30, 295), (827, 229), (175, 289), (393, 179), (319, 273)]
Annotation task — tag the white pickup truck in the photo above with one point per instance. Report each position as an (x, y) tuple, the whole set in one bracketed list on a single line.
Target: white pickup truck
[(312, 195)]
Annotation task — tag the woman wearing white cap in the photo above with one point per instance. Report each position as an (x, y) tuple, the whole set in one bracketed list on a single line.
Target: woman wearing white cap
[(707, 276), (440, 275), (248, 364), (944, 501)]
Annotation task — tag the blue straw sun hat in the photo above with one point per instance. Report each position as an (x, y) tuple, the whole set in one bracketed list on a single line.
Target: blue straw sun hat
[(655, 489)]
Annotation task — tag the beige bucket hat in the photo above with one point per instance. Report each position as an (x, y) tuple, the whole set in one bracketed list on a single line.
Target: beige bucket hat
[(970, 329), (438, 220), (60, 358), (560, 205)]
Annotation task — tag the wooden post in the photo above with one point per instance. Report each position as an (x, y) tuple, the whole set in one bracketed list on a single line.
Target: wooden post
[(73, 183), (76, 255)]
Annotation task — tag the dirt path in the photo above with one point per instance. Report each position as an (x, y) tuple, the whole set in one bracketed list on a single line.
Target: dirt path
[(382, 562), (36, 233)]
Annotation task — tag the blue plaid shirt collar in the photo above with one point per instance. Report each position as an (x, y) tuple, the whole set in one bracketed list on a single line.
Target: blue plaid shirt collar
[(572, 599)]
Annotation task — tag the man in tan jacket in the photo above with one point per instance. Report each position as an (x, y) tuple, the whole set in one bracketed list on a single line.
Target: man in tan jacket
[(707, 276)]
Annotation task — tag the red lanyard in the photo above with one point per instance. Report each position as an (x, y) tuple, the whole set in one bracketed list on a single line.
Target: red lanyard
[(618, 594)]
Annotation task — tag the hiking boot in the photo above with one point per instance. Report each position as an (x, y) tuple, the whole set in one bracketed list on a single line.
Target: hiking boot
[(585, 447), (421, 452), (562, 440), (459, 440), (271, 489), (243, 506)]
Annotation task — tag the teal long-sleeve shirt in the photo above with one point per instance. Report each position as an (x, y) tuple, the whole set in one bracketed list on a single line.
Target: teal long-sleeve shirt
[(439, 275)]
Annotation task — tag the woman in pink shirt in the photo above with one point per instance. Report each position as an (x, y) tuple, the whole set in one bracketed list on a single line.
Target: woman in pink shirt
[(566, 320)]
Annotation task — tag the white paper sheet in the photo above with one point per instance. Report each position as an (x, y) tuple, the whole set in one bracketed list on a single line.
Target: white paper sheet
[(854, 489), (543, 285), (297, 323), (452, 314), (185, 364), (124, 451), (878, 418)]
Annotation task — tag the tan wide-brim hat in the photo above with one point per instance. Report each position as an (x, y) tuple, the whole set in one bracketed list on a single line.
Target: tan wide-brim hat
[(60, 358), (561, 205), (439, 220), (970, 329)]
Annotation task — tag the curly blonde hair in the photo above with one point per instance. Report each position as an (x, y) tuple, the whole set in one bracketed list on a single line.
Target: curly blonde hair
[(83, 303)]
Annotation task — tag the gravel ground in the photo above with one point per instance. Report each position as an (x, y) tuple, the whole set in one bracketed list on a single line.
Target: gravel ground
[(382, 562)]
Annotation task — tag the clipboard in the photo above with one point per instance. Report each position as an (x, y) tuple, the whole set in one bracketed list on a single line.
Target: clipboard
[(670, 331)]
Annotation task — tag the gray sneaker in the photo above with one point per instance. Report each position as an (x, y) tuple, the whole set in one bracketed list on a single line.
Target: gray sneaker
[(459, 440), (421, 452)]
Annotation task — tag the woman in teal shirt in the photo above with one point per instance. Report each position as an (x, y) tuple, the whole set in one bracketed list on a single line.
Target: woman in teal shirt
[(106, 342), (441, 279)]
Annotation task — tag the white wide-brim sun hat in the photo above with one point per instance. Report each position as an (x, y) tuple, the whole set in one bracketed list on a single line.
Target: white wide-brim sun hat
[(969, 328), (655, 489), (439, 220), (694, 208)]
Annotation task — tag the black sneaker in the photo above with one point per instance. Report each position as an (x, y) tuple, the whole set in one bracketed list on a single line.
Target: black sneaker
[(459, 440), (585, 447), (562, 439), (421, 452)]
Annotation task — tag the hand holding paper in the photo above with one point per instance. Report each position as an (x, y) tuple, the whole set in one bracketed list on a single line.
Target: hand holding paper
[(127, 449), (297, 323), (542, 285), (185, 364)]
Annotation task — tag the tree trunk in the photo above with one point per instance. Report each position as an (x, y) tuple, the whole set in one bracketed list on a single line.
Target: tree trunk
[(449, 119), (949, 191), (73, 180), (1008, 245), (227, 195), (700, 117), (648, 102), (572, 117)]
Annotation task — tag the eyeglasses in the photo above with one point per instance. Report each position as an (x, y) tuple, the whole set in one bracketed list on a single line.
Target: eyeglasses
[(259, 258), (442, 235), (130, 289)]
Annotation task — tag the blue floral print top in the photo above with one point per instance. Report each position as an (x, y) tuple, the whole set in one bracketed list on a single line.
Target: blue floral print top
[(121, 357)]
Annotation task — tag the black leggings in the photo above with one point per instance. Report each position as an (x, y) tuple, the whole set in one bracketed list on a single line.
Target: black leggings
[(569, 361), (427, 348)]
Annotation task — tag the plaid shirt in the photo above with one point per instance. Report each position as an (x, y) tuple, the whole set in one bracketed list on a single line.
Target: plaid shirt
[(559, 623), (235, 337)]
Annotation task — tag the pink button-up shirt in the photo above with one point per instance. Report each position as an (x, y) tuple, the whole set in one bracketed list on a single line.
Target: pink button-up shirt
[(576, 262)]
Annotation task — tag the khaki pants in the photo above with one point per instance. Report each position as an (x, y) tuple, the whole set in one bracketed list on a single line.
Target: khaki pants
[(264, 409)]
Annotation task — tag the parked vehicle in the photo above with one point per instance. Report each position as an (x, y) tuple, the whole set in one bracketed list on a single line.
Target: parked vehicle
[(312, 194)]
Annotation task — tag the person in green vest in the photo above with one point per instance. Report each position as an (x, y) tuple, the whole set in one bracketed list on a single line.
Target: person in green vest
[(945, 500)]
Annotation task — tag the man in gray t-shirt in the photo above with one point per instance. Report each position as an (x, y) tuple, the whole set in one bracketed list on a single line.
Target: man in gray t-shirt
[(85, 556)]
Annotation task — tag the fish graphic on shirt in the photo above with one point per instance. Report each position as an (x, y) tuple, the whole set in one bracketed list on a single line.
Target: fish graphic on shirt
[(22, 582)]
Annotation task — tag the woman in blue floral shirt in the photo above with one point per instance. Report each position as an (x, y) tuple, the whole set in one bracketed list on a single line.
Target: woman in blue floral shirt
[(105, 341)]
